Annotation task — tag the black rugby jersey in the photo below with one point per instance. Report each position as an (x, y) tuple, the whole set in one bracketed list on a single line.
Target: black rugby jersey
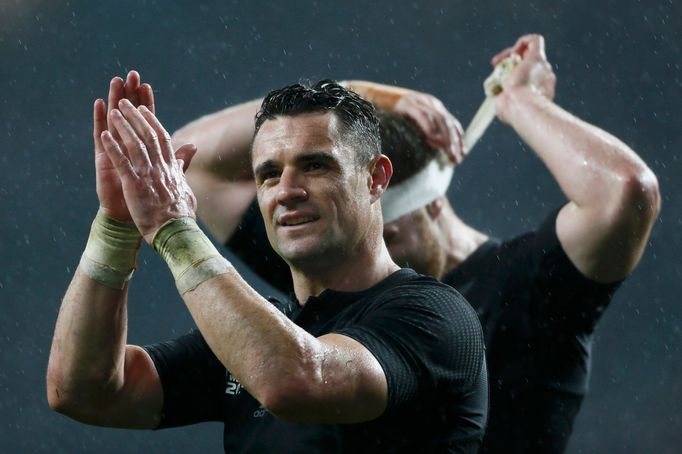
[(538, 313), (423, 333)]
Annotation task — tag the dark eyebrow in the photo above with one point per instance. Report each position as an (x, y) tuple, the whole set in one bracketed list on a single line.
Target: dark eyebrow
[(318, 156), (264, 166)]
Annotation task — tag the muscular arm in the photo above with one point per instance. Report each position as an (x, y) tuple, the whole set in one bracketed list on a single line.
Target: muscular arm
[(330, 379), (382, 96), (614, 197), (93, 376), (220, 175)]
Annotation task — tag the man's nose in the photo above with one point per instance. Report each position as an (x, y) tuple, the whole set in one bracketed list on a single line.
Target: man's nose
[(291, 188)]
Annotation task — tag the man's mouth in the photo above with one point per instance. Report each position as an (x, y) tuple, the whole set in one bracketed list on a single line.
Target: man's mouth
[(298, 221), (288, 220)]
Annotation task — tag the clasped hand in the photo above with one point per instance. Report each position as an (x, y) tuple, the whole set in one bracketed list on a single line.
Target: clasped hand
[(150, 173), (441, 129)]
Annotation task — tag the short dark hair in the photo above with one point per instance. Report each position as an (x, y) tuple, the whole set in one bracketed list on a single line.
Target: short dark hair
[(404, 144), (358, 117)]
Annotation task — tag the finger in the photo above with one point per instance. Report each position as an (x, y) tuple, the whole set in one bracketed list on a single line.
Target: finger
[(535, 45), (144, 131), (423, 123), (99, 120), (501, 56), (519, 48), (146, 95), (437, 114), (131, 86), (136, 148), (119, 160), (116, 93), (423, 120), (460, 151), (164, 138), (454, 147), (460, 142), (435, 136), (443, 133), (185, 154)]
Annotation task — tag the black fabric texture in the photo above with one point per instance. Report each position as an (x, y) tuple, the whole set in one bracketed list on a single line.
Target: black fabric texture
[(423, 333), (538, 313), (191, 377)]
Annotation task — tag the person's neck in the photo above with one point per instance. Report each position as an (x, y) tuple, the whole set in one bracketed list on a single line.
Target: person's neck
[(355, 272), (460, 240)]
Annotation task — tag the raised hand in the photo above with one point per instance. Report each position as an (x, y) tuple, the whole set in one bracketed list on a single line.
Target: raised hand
[(109, 191), (151, 173), (534, 72), (441, 128)]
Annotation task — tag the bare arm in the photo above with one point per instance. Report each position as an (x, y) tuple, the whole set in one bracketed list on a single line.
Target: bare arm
[(614, 197), (220, 175), (330, 379), (381, 95), (93, 376)]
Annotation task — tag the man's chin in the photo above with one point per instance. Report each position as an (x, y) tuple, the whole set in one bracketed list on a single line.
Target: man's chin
[(305, 253)]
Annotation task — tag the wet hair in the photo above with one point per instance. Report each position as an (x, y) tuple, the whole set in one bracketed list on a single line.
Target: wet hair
[(404, 144), (357, 116)]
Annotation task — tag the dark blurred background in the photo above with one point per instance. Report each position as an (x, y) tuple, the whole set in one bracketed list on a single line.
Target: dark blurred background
[(618, 66)]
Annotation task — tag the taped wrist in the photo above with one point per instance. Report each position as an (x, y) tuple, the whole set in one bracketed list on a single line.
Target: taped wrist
[(189, 254), (110, 254)]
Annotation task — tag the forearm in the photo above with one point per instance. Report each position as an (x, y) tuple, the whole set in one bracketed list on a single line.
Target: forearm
[(223, 140), (248, 334), (86, 363), (614, 197), (252, 338), (331, 379), (381, 95), (255, 341), (88, 348), (594, 169)]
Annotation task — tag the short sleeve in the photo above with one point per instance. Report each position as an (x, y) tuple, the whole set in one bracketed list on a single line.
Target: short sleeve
[(193, 380), (426, 337), (566, 296)]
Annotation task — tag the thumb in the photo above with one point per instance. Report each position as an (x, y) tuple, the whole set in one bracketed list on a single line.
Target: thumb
[(185, 154)]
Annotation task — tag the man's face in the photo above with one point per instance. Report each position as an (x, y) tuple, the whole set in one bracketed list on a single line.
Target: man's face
[(412, 243), (313, 196)]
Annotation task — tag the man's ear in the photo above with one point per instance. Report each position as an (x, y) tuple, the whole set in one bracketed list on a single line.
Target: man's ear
[(435, 208), (381, 171)]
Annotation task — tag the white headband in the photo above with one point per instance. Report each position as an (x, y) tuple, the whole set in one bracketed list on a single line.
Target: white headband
[(420, 189)]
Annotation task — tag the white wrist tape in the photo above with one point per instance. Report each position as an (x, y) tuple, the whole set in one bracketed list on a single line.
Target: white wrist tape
[(486, 113), (417, 191), (189, 253), (110, 254)]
